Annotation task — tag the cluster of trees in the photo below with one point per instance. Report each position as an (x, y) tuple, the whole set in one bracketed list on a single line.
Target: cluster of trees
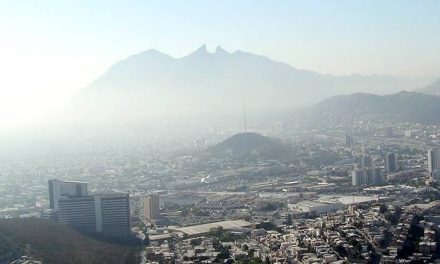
[(223, 235), (269, 226), (55, 243)]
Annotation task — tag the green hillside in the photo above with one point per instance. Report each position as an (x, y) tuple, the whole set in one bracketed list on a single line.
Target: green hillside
[(54, 243)]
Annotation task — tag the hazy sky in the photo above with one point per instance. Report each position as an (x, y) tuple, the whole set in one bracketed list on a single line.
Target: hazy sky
[(50, 49)]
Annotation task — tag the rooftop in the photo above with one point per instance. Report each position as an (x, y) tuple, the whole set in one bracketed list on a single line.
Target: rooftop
[(204, 228)]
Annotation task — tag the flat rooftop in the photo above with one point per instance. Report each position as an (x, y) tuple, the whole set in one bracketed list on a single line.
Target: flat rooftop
[(160, 237), (204, 228)]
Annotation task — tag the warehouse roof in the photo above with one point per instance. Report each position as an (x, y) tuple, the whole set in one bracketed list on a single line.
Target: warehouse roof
[(204, 228)]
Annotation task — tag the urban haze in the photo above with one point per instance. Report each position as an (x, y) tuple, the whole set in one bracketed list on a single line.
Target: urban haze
[(237, 131)]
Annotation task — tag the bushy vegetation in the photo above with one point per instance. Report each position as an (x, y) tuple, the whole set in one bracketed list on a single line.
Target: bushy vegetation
[(269, 226), (54, 243), (223, 235)]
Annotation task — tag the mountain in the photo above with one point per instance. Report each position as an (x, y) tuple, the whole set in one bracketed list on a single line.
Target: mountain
[(249, 144), (403, 106), (55, 243), (154, 85), (433, 88)]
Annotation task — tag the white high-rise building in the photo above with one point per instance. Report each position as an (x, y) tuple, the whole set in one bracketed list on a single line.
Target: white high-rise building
[(356, 178), (151, 207)]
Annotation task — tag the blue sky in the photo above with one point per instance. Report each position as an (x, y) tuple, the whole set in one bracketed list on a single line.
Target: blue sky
[(50, 49)]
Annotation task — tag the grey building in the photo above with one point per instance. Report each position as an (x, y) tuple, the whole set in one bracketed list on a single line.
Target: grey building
[(78, 213), (391, 162), (349, 141), (433, 159), (61, 189), (107, 214), (113, 214)]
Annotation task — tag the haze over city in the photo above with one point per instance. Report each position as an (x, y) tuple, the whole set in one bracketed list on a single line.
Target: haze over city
[(52, 50), (236, 131)]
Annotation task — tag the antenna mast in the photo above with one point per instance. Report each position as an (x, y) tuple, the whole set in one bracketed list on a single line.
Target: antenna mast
[(245, 123)]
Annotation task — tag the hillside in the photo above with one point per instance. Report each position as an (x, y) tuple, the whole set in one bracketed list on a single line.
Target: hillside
[(433, 88), (54, 243), (154, 85), (403, 106), (250, 144)]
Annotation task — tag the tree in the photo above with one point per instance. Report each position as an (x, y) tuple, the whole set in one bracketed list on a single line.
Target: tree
[(251, 252), (383, 208), (195, 242), (224, 254), (245, 247), (289, 219), (267, 260)]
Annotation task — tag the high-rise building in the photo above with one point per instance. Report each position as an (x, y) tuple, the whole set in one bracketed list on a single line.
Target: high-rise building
[(151, 207), (390, 162), (435, 175), (349, 141), (434, 164), (366, 176), (113, 214), (60, 189), (366, 161), (356, 178), (108, 214), (433, 160), (78, 213)]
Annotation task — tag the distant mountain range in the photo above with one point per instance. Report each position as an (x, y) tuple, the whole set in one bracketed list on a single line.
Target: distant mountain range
[(403, 106), (245, 145), (154, 85)]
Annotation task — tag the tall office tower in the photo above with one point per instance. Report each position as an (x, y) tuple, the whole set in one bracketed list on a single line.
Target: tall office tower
[(356, 178), (60, 189), (151, 207), (107, 214), (78, 213), (433, 160), (366, 162), (435, 175), (113, 214), (378, 175), (390, 162), (349, 141)]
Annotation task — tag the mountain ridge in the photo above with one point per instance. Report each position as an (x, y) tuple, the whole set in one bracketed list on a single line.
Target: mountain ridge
[(432, 88), (152, 83), (403, 106)]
